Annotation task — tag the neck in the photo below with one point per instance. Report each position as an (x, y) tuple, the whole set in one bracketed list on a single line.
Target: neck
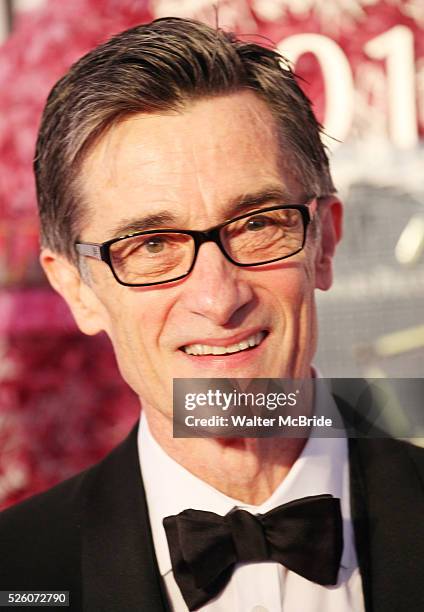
[(246, 469)]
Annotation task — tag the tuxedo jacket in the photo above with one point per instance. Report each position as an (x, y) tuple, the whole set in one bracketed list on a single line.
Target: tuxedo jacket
[(91, 536)]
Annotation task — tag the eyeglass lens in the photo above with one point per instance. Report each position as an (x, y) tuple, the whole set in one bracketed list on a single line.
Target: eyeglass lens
[(161, 257)]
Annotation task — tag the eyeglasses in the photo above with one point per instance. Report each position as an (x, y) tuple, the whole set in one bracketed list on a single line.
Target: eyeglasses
[(155, 257)]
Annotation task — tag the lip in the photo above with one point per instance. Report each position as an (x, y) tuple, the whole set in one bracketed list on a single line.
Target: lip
[(227, 341)]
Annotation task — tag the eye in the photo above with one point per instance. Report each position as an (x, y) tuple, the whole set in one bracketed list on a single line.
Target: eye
[(154, 244), (257, 223)]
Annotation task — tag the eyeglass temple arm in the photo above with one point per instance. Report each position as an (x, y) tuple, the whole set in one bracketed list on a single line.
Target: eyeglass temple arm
[(89, 249)]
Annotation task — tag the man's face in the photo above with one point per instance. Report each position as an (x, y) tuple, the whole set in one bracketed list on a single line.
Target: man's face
[(195, 166)]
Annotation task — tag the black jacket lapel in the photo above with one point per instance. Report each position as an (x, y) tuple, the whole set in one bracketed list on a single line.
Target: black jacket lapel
[(359, 512), (387, 509), (119, 566)]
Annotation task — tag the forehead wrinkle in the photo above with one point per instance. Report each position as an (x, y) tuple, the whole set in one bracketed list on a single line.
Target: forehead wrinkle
[(100, 172), (269, 125), (197, 167), (103, 160), (262, 128), (186, 165)]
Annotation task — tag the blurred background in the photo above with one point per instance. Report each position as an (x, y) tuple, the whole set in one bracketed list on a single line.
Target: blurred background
[(62, 404)]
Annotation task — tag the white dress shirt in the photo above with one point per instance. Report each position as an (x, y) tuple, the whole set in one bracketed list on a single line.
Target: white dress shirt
[(322, 467)]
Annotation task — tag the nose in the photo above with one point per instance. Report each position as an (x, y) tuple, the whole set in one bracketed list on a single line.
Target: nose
[(215, 288)]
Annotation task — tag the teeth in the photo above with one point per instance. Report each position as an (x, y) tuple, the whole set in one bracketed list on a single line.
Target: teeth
[(205, 349), (219, 350)]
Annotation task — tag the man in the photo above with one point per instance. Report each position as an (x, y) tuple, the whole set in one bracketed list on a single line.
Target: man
[(187, 209)]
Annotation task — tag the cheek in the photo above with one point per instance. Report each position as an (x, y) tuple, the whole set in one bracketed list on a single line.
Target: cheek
[(137, 323), (135, 334), (290, 287)]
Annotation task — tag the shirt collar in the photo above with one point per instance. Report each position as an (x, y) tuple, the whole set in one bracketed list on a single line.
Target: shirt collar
[(322, 467)]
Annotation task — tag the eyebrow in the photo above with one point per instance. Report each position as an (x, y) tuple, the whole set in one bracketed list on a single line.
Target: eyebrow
[(249, 201), (139, 224), (236, 206)]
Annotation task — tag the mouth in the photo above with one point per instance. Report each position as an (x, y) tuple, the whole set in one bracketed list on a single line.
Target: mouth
[(246, 344)]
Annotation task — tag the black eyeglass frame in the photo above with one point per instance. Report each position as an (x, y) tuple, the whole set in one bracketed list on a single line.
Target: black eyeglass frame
[(101, 250)]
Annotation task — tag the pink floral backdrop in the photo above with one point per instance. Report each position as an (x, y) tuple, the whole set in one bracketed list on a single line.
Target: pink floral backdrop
[(62, 402)]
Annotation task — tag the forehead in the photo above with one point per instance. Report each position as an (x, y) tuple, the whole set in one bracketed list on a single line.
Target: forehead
[(192, 164)]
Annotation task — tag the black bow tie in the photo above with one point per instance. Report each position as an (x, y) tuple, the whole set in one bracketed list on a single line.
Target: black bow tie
[(304, 535)]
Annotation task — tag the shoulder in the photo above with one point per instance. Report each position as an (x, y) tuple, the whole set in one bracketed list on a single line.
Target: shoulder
[(416, 454), (390, 470), (374, 452), (384, 448), (41, 538)]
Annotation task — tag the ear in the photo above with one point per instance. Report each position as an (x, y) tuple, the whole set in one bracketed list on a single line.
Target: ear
[(89, 313), (330, 213)]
